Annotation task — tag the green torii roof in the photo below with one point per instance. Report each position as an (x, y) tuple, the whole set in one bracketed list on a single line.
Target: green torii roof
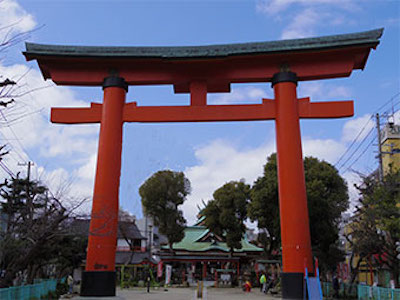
[(370, 38), (194, 233)]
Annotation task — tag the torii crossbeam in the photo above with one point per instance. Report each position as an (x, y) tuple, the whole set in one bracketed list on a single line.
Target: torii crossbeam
[(198, 71)]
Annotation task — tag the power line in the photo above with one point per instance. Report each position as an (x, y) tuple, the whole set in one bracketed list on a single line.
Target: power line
[(6, 169), (359, 146), (363, 128), (365, 150), (17, 139), (353, 142), (386, 103)]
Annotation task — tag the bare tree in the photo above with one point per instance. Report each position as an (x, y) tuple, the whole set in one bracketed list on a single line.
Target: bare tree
[(35, 237)]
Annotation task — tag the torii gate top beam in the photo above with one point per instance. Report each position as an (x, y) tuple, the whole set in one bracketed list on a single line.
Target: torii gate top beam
[(216, 66)]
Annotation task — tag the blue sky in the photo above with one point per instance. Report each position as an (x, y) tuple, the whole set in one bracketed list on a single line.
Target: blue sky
[(209, 154)]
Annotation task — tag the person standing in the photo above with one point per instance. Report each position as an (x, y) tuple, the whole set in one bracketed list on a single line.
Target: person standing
[(148, 283), (70, 282), (335, 284), (263, 282)]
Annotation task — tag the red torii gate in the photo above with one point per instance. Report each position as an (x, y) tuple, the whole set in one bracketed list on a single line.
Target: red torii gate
[(198, 71)]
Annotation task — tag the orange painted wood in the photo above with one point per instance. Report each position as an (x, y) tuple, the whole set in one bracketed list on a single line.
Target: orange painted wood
[(295, 230), (203, 113), (198, 93), (77, 115), (209, 113), (324, 110), (217, 72), (104, 217)]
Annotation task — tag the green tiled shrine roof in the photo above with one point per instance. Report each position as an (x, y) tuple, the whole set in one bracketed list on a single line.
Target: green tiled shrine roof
[(370, 38), (195, 233)]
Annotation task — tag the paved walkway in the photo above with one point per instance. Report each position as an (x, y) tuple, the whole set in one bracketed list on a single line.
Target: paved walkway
[(186, 294)]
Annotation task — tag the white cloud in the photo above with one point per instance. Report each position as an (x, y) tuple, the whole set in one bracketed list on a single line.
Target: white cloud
[(275, 6), (67, 152), (303, 25), (220, 162), (328, 150), (14, 19), (35, 129), (241, 95), (352, 179), (305, 17), (352, 129), (320, 91), (68, 188), (88, 170)]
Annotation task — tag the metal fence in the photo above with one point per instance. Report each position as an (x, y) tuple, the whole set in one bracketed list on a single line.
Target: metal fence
[(366, 292), (345, 290), (29, 292)]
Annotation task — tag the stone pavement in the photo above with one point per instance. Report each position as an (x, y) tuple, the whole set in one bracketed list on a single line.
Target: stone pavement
[(185, 294)]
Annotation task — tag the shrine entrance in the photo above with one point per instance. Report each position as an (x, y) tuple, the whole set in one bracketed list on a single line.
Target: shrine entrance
[(198, 71)]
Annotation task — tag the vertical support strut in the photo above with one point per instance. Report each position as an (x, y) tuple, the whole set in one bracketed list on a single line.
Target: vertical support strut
[(295, 230), (99, 276)]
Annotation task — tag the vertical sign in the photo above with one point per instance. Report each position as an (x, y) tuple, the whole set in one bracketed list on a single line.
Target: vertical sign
[(168, 271), (159, 268)]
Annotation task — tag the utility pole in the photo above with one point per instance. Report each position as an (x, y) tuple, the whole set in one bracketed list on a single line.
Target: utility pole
[(378, 128), (28, 178), (29, 164)]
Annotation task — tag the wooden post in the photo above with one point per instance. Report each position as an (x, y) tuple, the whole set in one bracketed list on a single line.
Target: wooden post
[(99, 276), (295, 230)]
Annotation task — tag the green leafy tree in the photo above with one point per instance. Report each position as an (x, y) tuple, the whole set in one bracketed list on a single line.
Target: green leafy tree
[(264, 206), (327, 198), (161, 194), (375, 228), (226, 213)]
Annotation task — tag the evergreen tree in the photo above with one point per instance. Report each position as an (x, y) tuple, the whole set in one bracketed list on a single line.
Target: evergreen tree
[(161, 194), (327, 199), (226, 213)]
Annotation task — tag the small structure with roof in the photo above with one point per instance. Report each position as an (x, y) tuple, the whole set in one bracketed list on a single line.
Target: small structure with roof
[(203, 255)]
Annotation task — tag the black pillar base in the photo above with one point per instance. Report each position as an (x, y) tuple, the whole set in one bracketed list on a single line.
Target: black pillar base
[(292, 285), (98, 284)]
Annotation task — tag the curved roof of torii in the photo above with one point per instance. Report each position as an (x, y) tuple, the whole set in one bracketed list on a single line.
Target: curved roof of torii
[(218, 65)]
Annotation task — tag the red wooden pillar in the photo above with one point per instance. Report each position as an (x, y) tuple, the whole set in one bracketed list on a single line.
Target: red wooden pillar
[(238, 269), (295, 230), (204, 270), (99, 276)]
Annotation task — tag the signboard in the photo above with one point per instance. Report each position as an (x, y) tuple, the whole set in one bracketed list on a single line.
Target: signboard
[(159, 269), (226, 277), (168, 272)]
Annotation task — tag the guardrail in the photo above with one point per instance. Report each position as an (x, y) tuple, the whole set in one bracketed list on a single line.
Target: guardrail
[(366, 292), (345, 290), (29, 292)]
